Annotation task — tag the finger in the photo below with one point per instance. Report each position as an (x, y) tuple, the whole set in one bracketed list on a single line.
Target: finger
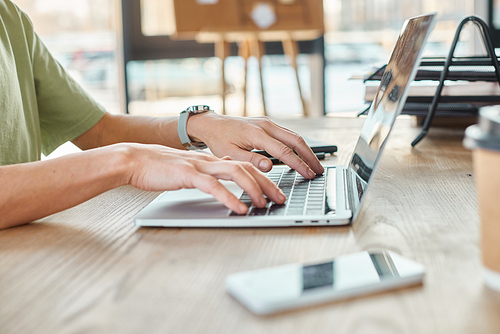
[(284, 153), (294, 141), (234, 171), (258, 160), (210, 185), (269, 188)]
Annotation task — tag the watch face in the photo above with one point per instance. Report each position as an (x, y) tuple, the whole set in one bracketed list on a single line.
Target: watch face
[(198, 108)]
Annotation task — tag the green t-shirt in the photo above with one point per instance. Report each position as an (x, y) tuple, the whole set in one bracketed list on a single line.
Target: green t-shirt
[(41, 106)]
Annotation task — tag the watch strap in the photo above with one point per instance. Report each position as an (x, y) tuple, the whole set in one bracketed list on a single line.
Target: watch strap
[(182, 132)]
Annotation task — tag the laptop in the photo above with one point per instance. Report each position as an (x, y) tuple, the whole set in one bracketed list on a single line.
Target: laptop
[(334, 198)]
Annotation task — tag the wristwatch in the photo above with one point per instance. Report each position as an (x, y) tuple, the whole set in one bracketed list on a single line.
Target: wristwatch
[(182, 126)]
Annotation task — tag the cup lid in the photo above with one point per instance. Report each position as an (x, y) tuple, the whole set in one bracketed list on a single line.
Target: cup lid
[(485, 134)]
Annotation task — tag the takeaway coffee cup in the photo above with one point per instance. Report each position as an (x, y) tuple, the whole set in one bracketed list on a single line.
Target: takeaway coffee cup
[(484, 139)]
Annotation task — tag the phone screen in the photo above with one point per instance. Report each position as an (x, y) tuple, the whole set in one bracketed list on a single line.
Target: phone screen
[(364, 268), (348, 275)]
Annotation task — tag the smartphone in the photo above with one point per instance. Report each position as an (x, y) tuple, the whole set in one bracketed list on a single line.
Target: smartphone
[(319, 150), (276, 289)]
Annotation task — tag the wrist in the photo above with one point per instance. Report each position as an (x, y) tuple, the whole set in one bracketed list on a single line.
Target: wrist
[(121, 163), (197, 124)]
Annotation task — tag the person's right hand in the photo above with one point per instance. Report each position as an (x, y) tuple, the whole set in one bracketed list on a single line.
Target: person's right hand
[(160, 168)]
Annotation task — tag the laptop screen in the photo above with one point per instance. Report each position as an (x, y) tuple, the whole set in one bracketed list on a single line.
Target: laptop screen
[(387, 104)]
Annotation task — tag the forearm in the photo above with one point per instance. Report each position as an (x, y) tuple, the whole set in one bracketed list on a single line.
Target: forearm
[(114, 129), (34, 190)]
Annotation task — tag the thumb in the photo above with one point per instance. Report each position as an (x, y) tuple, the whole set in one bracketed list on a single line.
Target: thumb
[(258, 160)]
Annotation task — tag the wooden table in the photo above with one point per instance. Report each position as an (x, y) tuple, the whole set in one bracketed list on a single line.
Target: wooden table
[(90, 270)]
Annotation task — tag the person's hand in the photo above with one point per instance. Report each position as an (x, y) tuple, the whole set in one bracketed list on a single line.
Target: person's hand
[(236, 137), (159, 168)]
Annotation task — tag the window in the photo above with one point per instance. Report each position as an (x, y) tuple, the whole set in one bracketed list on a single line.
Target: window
[(359, 36)]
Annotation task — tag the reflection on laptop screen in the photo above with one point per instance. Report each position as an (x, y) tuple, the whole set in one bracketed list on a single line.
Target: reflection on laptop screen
[(387, 104)]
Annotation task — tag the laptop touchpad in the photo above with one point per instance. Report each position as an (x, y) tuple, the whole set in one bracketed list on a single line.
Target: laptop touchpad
[(190, 204)]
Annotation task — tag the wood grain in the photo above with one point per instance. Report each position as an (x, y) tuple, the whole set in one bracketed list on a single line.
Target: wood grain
[(90, 270)]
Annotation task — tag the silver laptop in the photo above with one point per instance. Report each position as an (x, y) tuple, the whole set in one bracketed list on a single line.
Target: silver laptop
[(333, 198)]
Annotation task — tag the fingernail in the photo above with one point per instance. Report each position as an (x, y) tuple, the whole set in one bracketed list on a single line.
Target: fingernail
[(311, 174), (281, 196), (264, 164)]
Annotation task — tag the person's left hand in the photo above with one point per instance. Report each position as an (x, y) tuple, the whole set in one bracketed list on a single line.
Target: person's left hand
[(236, 137)]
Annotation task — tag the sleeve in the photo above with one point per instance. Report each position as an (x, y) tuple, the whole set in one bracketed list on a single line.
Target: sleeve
[(65, 109)]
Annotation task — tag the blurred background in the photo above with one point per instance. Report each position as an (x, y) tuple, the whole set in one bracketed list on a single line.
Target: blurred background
[(86, 37)]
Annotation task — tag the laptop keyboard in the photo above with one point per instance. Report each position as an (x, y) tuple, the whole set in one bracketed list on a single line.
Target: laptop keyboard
[(304, 197)]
